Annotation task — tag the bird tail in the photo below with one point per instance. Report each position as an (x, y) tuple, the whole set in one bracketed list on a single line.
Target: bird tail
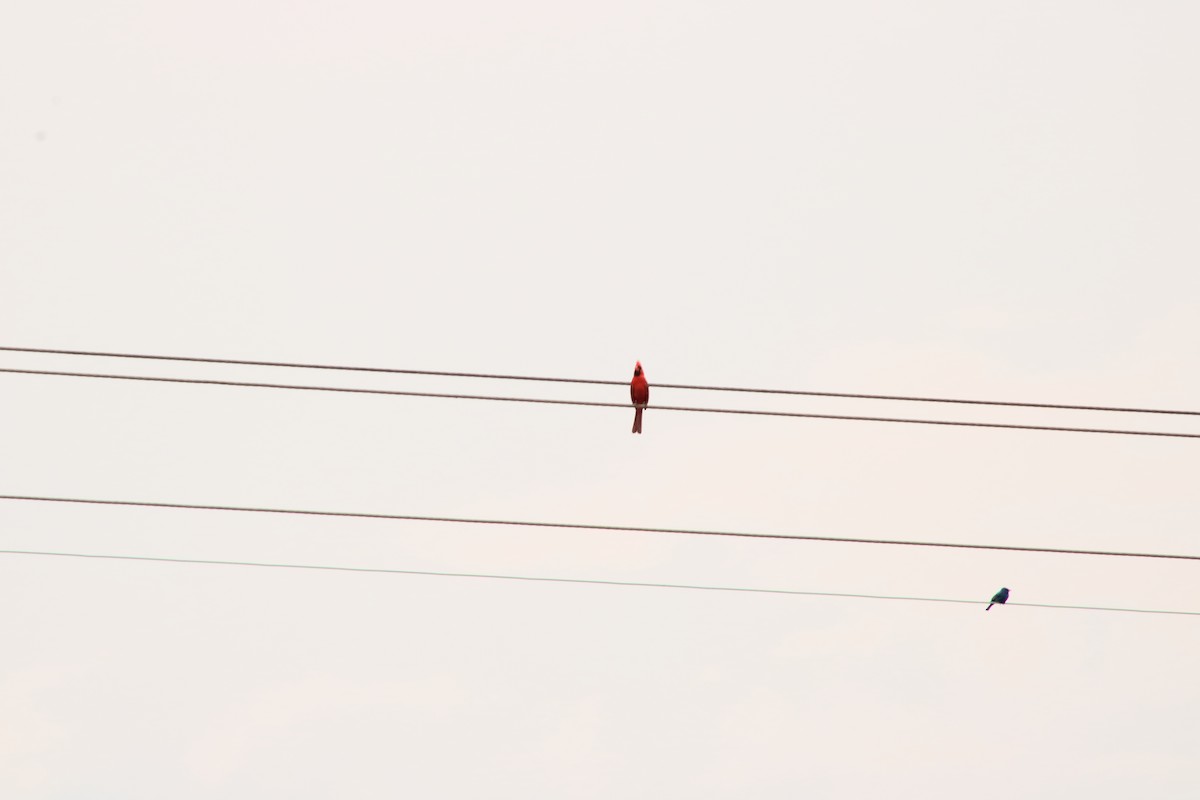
[(989, 608), (637, 420)]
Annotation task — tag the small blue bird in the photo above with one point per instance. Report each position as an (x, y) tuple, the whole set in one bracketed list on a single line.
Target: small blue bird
[(1000, 597)]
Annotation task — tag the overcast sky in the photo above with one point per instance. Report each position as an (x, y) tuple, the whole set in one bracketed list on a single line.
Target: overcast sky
[(951, 199)]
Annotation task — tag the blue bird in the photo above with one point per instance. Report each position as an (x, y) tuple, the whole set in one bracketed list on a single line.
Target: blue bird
[(1000, 597)]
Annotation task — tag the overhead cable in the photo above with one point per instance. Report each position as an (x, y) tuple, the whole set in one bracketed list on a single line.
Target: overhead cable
[(594, 527), (585, 581), (594, 404), (593, 382)]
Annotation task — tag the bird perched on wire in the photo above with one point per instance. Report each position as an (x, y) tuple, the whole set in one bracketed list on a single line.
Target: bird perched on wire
[(639, 392), (1000, 597)]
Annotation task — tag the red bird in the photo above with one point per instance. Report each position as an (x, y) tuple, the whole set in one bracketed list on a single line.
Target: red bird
[(639, 391)]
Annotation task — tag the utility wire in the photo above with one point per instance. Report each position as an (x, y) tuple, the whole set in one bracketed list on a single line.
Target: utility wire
[(593, 404), (589, 527), (587, 581), (694, 387)]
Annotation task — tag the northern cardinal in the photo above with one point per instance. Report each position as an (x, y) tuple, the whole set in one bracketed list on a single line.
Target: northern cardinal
[(639, 390), (1000, 597)]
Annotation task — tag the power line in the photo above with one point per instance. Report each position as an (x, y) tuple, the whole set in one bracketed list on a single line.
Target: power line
[(586, 581), (593, 404), (593, 382), (592, 527)]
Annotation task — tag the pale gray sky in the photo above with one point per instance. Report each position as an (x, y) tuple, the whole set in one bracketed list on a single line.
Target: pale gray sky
[(960, 199)]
